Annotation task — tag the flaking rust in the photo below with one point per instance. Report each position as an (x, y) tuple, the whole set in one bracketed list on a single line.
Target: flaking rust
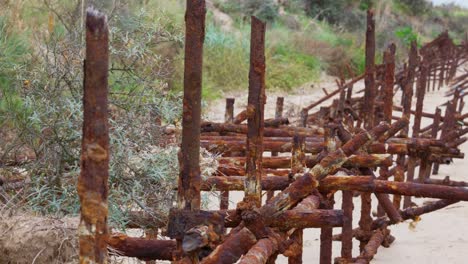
[(92, 182), (256, 102)]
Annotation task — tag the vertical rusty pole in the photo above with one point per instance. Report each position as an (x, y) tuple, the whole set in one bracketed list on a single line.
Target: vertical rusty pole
[(389, 62), (189, 184), (255, 108), (189, 159), (347, 230), (420, 93), (369, 94), (92, 182), (434, 132), (278, 114), (228, 118), (407, 97), (389, 80), (326, 233), (297, 166), (447, 125), (369, 112)]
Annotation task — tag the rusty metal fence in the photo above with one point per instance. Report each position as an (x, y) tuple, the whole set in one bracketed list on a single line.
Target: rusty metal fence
[(359, 144)]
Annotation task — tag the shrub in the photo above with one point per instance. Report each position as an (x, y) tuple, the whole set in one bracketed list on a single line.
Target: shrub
[(140, 170), (406, 35)]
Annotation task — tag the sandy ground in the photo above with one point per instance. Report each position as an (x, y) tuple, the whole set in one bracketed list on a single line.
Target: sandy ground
[(441, 236)]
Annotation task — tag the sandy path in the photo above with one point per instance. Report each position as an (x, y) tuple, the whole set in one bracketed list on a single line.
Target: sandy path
[(441, 237)]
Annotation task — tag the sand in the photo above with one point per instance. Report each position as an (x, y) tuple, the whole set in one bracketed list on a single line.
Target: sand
[(440, 237)]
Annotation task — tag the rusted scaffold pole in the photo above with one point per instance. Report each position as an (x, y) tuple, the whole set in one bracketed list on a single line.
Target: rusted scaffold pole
[(407, 96), (92, 182), (189, 157), (368, 115), (278, 115), (255, 110), (228, 118)]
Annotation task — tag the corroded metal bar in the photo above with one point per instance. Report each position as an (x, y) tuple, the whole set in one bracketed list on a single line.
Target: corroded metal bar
[(304, 185), (297, 166), (256, 105), (310, 131), (228, 118), (229, 114), (143, 249), (362, 160), (408, 84), (261, 251), (328, 201), (365, 222), (387, 98), (347, 230), (389, 62), (232, 248), (370, 89), (189, 158), (92, 182), (367, 184), (241, 117), (278, 114), (374, 243)]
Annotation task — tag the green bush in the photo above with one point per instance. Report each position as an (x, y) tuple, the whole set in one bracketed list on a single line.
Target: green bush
[(406, 35), (141, 172), (266, 10), (414, 7)]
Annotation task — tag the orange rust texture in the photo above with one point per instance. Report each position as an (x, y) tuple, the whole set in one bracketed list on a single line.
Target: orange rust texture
[(189, 158), (143, 249), (261, 251), (284, 131), (371, 248), (297, 166), (92, 182), (278, 114), (232, 248), (228, 118), (347, 231), (370, 88), (256, 102), (305, 184)]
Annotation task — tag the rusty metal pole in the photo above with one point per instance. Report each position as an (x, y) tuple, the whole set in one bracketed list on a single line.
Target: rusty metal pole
[(228, 118), (434, 132), (326, 234), (407, 97), (389, 80), (255, 108), (92, 182), (412, 162), (347, 230), (297, 166), (190, 179), (189, 156), (278, 114), (369, 95), (368, 115)]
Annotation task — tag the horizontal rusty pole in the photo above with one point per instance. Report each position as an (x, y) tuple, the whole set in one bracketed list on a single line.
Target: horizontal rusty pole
[(232, 248), (367, 184), (268, 132), (317, 147), (350, 183), (143, 249), (372, 160)]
